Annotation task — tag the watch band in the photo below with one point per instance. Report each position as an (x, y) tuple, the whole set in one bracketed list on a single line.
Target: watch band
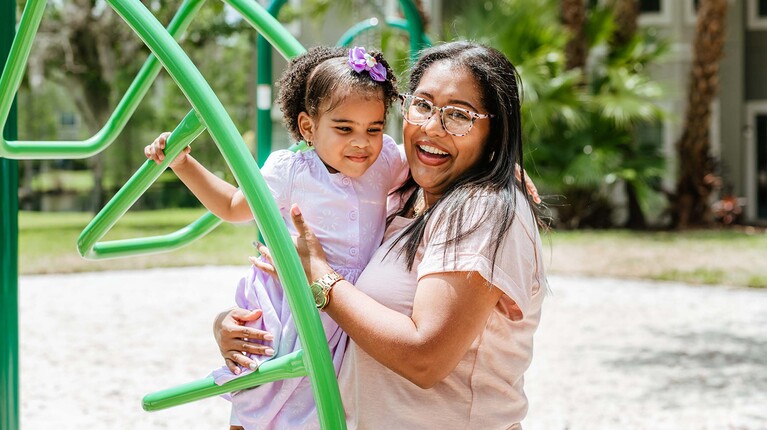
[(321, 288)]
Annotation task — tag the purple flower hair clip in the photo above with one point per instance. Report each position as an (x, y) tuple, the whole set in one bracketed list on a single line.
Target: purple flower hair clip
[(360, 60)]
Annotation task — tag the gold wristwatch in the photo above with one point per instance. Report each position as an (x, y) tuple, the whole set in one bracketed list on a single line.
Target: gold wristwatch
[(321, 288)]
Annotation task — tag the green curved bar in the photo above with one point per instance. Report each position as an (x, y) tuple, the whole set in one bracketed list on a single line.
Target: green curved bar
[(285, 367), (269, 27), (14, 68), (14, 71), (188, 130), (368, 24), (415, 28), (316, 353), (353, 31), (404, 25)]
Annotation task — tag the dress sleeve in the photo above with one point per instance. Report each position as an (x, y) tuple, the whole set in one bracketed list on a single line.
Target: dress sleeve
[(518, 267), (278, 171)]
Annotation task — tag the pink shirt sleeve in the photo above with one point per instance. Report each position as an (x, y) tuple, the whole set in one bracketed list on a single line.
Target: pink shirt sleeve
[(518, 267)]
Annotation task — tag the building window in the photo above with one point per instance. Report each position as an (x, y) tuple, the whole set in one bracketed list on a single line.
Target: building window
[(654, 12), (650, 6), (761, 166), (691, 11), (755, 136), (757, 14)]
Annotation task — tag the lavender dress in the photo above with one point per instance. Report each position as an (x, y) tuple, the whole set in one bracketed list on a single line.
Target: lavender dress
[(348, 216)]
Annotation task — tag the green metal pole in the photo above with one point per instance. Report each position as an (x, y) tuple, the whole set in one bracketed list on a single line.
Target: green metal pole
[(264, 90), (9, 246), (415, 28)]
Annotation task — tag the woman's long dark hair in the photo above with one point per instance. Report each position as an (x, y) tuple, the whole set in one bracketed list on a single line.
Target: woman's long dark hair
[(494, 173)]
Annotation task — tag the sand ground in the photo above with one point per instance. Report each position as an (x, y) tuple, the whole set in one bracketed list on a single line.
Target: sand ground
[(610, 354)]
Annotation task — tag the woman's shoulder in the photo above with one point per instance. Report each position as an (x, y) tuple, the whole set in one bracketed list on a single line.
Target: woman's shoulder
[(486, 209), (486, 200)]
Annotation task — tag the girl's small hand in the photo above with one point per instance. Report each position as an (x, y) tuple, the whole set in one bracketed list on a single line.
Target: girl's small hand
[(265, 266), (531, 188), (156, 151), (235, 339)]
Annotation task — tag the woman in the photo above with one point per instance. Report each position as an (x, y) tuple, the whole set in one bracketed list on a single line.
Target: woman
[(442, 318)]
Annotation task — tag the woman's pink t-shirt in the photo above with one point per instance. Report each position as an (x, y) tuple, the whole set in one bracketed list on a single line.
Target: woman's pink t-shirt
[(485, 391)]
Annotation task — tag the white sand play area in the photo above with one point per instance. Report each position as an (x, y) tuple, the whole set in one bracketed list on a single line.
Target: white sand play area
[(609, 354)]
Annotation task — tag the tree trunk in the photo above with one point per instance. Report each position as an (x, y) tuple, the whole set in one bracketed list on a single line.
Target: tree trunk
[(626, 14), (574, 19), (695, 183), (626, 20), (636, 219)]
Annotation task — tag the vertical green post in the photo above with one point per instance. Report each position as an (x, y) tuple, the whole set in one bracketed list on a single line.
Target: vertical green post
[(9, 245), (415, 28), (263, 99), (264, 90)]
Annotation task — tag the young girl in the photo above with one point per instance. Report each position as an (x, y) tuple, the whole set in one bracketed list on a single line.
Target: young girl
[(336, 100)]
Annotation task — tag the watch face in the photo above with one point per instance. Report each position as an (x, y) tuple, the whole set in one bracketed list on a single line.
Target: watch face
[(319, 297)]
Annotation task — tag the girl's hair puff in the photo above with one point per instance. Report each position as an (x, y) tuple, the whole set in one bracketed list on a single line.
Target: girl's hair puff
[(322, 78)]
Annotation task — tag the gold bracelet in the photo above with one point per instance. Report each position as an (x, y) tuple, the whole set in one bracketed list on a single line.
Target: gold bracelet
[(321, 288)]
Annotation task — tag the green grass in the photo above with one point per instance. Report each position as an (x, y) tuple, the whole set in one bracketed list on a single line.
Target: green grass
[(66, 180), (727, 256), (47, 242), (719, 256), (78, 181), (698, 276)]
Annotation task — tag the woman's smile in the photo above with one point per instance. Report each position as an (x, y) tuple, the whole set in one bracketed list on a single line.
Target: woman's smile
[(430, 154)]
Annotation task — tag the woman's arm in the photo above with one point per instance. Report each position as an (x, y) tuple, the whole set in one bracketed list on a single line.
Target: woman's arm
[(217, 195), (449, 311)]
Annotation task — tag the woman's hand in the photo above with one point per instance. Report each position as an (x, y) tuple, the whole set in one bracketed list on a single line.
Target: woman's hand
[(235, 339), (156, 151), (531, 188), (309, 249)]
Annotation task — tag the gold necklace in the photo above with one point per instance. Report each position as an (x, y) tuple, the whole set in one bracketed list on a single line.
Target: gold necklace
[(420, 204)]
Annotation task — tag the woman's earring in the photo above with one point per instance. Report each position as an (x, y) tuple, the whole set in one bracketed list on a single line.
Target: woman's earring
[(492, 155), (309, 143)]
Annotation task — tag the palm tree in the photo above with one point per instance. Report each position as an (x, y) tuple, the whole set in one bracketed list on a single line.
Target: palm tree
[(626, 20), (579, 124), (696, 179), (574, 19)]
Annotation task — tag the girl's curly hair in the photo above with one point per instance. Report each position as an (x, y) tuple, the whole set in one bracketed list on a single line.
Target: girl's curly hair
[(321, 78)]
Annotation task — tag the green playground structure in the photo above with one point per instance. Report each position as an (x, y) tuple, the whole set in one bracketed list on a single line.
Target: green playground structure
[(207, 114)]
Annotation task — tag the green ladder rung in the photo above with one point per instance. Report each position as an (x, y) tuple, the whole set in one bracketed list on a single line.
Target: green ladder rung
[(287, 366)]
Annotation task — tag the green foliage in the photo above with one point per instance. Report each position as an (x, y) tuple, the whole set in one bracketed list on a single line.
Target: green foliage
[(582, 127)]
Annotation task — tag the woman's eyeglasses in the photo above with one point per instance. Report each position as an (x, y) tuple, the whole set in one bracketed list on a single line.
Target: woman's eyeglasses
[(456, 121)]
